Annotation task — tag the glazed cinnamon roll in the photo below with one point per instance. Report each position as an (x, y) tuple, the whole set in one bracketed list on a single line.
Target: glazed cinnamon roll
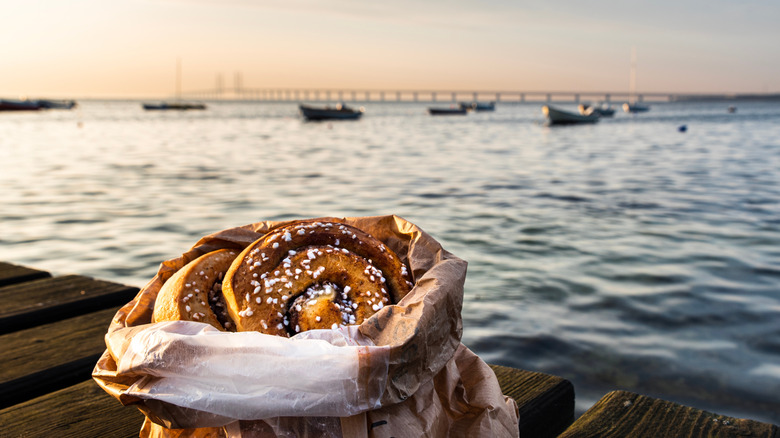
[(312, 274), (194, 292)]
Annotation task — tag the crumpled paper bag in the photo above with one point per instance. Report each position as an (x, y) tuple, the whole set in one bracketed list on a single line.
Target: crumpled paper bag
[(402, 373)]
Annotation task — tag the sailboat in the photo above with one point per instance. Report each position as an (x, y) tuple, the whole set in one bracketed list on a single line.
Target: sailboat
[(632, 106), (177, 105)]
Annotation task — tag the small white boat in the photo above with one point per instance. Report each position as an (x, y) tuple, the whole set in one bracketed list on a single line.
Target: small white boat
[(633, 108), (557, 116)]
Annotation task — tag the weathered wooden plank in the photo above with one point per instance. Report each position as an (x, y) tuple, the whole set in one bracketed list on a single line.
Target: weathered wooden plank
[(52, 299), (10, 274), (545, 402), (50, 357), (625, 414), (81, 410)]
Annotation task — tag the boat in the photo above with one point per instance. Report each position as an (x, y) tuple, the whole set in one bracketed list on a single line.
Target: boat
[(478, 106), (56, 104), (34, 104), (18, 105), (178, 106), (602, 109), (459, 111), (339, 112), (635, 107), (484, 106), (632, 106), (556, 116)]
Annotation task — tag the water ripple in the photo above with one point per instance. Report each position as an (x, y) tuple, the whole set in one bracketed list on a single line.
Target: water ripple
[(619, 255)]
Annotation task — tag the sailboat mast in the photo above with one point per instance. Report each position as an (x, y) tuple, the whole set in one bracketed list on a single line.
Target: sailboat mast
[(178, 78), (632, 77)]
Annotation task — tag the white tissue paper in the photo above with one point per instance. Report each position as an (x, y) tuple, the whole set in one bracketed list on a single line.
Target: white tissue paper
[(252, 376)]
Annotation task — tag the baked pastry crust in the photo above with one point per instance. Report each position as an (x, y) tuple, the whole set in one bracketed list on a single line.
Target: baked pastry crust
[(193, 293), (312, 274)]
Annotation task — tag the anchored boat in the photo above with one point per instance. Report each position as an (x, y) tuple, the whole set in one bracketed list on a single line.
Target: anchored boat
[(459, 111), (557, 116), (178, 106), (340, 112)]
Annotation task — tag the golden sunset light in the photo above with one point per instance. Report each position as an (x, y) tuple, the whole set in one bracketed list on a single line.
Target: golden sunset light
[(93, 48), (351, 218)]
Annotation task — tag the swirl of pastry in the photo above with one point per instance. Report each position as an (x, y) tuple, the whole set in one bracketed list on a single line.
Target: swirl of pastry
[(312, 274), (194, 292)]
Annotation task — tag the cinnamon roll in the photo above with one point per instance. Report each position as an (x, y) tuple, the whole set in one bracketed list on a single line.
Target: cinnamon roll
[(312, 274), (194, 292)]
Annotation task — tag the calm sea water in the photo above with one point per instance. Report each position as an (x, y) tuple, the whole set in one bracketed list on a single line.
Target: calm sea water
[(622, 255)]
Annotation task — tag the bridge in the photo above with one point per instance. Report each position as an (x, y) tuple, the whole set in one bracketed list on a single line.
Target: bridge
[(445, 96)]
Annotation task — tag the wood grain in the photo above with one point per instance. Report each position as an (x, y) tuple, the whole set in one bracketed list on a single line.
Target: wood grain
[(52, 356), (46, 300), (545, 402), (10, 274), (625, 414), (81, 410)]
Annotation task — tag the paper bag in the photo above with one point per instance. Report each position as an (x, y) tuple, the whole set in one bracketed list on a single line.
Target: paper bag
[(402, 372)]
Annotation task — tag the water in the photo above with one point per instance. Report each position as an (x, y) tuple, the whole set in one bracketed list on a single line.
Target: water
[(621, 255)]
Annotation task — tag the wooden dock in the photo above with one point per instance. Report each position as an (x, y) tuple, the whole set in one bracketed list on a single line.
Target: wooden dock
[(52, 327)]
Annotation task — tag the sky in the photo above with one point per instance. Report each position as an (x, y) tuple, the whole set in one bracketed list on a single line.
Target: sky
[(131, 48)]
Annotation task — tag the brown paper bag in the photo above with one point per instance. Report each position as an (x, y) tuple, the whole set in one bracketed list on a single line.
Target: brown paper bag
[(434, 385)]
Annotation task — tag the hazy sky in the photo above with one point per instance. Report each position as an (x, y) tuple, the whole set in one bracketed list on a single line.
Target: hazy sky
[(116, 48)]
